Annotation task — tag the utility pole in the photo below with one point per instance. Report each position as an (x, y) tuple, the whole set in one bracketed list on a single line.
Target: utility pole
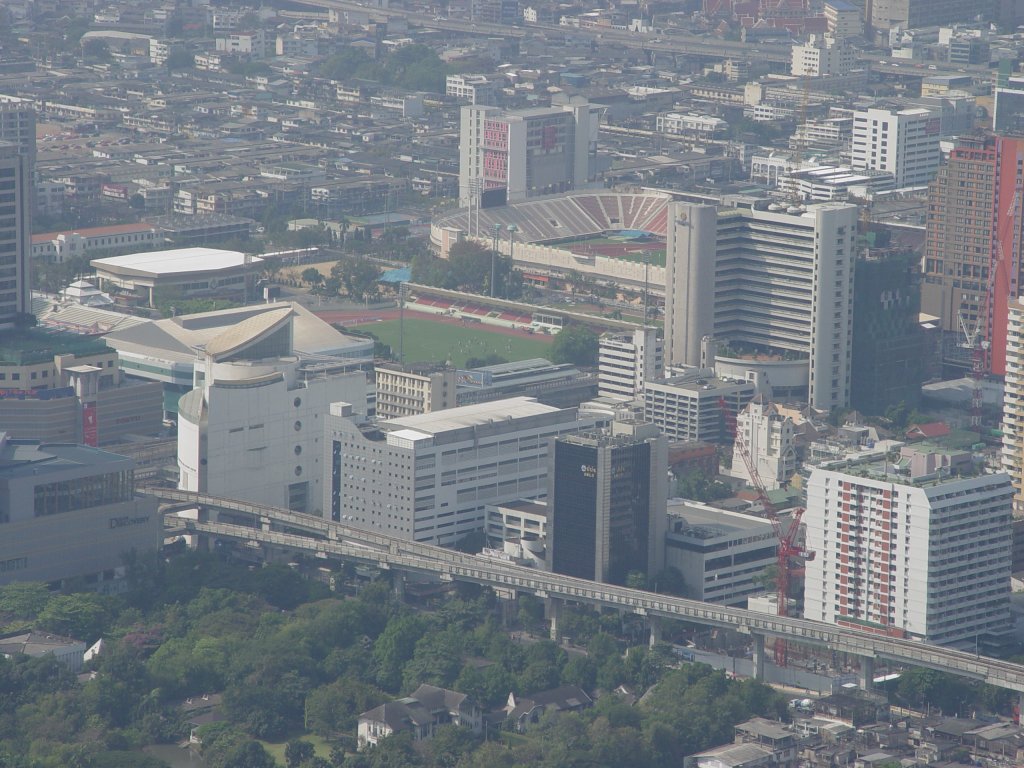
[(401, 325), (512, 229)]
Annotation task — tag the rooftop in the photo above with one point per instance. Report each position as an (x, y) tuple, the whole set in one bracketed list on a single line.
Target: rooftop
[(33, 345), (691, 518), (31, 457), (471, 416), (174, 262)]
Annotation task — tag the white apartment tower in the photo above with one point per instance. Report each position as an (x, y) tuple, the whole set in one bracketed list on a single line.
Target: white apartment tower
[(924, 557), (252, 427), (627, 360), (1013, 404), (822, 56), (770, 280), (767, 437), (15, 233), (904, 142), (527, 152), (18, 126)]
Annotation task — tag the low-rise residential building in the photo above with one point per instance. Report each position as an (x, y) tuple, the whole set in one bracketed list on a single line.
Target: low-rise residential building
[(823, 55), (767, 438), (471, 89), (421, 714), (692, 125), (59, 246)]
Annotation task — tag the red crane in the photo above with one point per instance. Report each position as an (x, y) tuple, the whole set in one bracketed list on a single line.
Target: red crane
[(787, 536)]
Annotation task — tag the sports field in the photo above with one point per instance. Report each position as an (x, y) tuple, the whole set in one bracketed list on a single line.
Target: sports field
[(432, 341)]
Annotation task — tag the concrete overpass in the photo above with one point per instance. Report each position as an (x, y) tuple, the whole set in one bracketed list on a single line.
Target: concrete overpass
[(272, 527), (660, 43)]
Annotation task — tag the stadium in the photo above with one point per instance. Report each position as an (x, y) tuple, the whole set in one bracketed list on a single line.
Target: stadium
[(609, 236)]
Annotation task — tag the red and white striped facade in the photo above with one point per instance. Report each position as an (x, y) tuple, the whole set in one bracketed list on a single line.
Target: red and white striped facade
[(925, 558)]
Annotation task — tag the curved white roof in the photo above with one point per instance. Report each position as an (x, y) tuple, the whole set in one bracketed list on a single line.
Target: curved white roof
[(248, 332), (174, 262)]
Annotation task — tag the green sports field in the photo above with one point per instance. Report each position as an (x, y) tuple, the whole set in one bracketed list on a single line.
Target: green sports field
[(431, 341)]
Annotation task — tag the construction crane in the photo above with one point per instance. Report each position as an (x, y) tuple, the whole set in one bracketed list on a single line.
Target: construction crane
[(977, 336), (786, 535)]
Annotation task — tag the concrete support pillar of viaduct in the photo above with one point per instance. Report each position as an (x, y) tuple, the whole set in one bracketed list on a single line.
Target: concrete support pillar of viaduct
[(656, 630), (867, 672), (553, 612), (398, 584), (757, 658)]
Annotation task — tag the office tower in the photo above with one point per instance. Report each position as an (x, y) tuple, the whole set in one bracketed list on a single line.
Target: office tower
[(430, 477), (627, 360), (1013, 405), (890, 352), (508, 156), (910, 14), (904, 142), (15, 234), (909, 551), (607, 503), (689, 407), (974, 221), (769, 284), (251, 428)]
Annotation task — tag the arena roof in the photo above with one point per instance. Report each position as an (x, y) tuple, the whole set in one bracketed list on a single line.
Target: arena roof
[(174, 262), (580, 214)]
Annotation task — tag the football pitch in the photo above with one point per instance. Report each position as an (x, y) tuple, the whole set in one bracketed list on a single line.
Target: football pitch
[(431, 341)]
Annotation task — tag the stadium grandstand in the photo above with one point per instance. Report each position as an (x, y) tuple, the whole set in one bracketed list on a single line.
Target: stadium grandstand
[(609, 235)]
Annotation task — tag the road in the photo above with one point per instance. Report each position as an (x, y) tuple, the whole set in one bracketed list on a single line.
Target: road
[(291, 531), (657, 42)]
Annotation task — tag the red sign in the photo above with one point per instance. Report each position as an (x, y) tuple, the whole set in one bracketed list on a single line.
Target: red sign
[(90, 430)]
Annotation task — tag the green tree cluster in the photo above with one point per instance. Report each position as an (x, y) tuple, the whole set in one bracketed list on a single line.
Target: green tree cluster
[(575, 344)]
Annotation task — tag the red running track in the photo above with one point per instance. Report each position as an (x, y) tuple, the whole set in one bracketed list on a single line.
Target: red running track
[(358, 317)]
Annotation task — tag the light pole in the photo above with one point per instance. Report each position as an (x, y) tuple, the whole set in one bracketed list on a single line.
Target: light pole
[(494, 254), (512, 229)]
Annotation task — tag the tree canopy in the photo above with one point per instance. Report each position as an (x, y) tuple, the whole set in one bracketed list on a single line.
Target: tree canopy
[(575, 344)]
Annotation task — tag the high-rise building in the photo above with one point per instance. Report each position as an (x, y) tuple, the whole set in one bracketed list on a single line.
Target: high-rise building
[(15, 234), (627, 360), (974, 223), (607, 496), (769, 281), (843, 19), (508, 156), (252, 427), (689, 407), (430, 477), (889, 350), (904, 142), (1013, 405), (822, 56), (910, 14), (915, 553), (18, 126), (767, 436), (413, 389)]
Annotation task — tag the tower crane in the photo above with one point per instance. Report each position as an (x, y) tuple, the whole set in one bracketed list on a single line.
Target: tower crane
[(786, 535)]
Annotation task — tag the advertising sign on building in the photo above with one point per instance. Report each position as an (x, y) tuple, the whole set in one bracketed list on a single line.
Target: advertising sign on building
[(90, 429)]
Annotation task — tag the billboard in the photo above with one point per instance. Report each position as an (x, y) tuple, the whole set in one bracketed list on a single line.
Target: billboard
[(90, 429)]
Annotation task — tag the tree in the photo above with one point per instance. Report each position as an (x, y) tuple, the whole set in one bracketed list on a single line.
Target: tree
[(296, 752), (83, 615), (575, 344), (179, 58), (358, 276), (312, 276), (24, 600), (137, 202), (333, 709), (696, 486)]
